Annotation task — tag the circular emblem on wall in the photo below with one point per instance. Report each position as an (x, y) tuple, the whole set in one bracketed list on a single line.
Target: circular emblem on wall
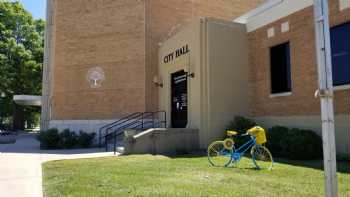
[(95, 77)]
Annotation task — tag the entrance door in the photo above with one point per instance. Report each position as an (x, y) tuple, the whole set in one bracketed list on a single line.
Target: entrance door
[(179, 99)]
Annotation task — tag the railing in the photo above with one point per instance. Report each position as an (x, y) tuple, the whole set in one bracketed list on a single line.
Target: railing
[(120, 121), (140, 121)]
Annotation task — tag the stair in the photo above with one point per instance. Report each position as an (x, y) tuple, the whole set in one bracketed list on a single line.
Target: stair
[(112, 135), (119, 147)]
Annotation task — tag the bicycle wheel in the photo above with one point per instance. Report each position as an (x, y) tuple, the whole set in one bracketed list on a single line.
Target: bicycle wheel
[(262, 157), (218, 155)]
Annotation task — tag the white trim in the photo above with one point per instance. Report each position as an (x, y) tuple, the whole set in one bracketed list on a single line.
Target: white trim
[(271, 32), (285, 27), (27, 100), (281, 94), (343, 4), (272, 11), (341, 87), (257, 11)]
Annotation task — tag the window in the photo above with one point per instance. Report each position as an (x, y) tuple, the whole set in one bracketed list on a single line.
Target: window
[(340, 44), (280, 69)]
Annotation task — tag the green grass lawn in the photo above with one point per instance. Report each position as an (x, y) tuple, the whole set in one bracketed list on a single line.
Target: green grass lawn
[(146, 175)]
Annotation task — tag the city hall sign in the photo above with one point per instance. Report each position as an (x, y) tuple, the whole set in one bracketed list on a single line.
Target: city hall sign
[(177, 53)]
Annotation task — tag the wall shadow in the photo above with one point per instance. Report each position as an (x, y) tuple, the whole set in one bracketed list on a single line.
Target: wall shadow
[(342, 166)]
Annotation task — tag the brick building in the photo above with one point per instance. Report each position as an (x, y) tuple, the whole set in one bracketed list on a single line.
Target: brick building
[(293, 103), (119, 38), (105, 60)]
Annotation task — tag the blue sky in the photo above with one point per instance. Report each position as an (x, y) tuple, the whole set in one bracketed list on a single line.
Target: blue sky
[(36, 7)]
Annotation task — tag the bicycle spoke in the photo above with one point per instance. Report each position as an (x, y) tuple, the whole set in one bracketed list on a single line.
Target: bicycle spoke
[(218, 155), (262, 157)]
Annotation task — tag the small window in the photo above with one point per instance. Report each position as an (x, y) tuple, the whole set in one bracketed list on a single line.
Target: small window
[(280, 69), (341, 54)]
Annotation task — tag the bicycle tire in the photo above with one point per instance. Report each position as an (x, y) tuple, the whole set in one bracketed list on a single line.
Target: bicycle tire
[(262, 157), (218, 155)]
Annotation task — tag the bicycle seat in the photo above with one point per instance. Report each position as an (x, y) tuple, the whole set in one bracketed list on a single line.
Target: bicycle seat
[(232, 133)]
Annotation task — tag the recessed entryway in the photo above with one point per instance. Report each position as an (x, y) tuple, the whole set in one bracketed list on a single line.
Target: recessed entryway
[(179, 108)]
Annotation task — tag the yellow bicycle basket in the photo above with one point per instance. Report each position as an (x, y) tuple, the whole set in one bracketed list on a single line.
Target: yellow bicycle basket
[(259, 134)]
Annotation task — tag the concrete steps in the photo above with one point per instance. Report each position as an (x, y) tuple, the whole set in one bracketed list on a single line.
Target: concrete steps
[(120, 147)]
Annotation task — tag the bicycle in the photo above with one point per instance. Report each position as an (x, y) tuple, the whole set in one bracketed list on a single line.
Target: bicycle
[(224, 153)]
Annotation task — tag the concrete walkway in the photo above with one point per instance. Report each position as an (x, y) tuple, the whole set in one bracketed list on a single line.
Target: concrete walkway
[(20, 165)]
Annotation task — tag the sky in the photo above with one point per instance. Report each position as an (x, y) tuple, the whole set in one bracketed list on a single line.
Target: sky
[(36, 7)]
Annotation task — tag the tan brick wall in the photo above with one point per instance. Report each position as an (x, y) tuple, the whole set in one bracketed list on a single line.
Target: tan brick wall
[(303, 66), (120, 36), (167, 17), (98, 33)]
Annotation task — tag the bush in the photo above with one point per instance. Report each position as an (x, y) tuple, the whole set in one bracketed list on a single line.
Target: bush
[(52, 139), (241, 125), (304, 144), (68, 139), (277, 141), (49, 139), (295, 144), (85, 140)]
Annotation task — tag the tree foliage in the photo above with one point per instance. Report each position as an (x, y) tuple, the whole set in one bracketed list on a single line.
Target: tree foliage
[(21, 57)]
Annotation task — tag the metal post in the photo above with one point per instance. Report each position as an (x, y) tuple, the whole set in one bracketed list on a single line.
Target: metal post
[(142, 126), (99, 138), (325, 92), (115, 142), (106, 142)]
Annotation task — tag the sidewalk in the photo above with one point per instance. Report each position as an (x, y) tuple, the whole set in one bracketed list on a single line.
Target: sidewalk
[(20, 165)]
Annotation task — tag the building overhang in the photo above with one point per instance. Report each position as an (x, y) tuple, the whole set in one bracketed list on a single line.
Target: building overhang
[(27, 100), (271, 11)]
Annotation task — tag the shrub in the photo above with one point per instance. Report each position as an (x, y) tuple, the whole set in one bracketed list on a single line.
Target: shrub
[(304, 144), (68, 139), (277, 141), (52, 139), (49, 139), (298, 144), (85, 140), (343, 157), (241, 125)]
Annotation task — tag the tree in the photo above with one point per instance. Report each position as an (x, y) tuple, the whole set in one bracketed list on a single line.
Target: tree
[(21, 59)]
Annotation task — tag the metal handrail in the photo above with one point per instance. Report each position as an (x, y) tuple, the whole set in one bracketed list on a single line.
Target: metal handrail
[(137, 121), (131, 118), (142, 119), (114, 123)]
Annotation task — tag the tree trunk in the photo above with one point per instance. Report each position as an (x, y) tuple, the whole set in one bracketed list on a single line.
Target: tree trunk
[(18, 117)]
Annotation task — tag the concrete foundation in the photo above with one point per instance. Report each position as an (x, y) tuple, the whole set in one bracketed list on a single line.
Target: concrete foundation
[(88, 126), (163, 141), (342, 127)]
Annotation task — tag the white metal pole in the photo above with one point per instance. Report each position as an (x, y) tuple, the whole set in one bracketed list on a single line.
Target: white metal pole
[(325, 92)]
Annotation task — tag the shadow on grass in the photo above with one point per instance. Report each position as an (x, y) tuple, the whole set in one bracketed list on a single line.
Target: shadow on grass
[(188, 155), (342, 166)]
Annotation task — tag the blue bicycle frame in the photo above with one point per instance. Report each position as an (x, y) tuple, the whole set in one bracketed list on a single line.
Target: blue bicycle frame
[(237, 154)]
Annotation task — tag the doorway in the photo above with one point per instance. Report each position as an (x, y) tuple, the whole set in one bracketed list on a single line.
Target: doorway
[(179, 116)]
